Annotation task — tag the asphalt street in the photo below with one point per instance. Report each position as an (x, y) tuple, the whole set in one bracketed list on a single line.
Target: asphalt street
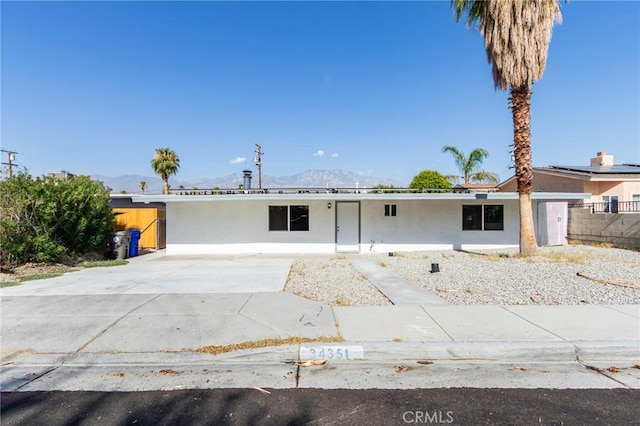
[(325, 407)]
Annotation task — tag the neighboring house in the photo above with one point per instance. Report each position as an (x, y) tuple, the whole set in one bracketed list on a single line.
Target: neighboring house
[(330, 221), (615, 186), (61, 175)]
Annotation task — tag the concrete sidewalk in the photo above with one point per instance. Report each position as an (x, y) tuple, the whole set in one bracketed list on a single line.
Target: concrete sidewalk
[(179, 322), (145, 314)]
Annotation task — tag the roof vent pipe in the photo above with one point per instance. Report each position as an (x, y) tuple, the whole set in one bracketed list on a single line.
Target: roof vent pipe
[(247, 179)]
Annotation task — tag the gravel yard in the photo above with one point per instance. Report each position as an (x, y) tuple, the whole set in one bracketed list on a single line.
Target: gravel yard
[(334, 281), (495, 277)]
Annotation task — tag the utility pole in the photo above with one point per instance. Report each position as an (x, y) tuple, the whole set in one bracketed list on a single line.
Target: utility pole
[(258, 161), (11, 155)]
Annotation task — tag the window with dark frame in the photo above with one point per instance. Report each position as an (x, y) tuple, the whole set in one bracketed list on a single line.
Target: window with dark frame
[(390, 209), (493, 217), (487, 217), (278, 220), (288, 218), (472, 217), (298, 218)]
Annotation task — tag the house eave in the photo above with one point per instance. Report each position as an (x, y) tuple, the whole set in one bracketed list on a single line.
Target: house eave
[(354, 197), (589, 177)]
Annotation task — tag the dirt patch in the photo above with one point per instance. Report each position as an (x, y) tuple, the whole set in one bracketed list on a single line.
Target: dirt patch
[(49, 270), (264, 343), (169, 372), (32, 269)]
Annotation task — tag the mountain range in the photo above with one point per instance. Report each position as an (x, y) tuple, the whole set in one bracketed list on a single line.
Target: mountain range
[(306, 179)]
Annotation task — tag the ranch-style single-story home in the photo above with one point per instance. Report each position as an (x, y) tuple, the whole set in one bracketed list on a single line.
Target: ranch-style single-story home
[(332, 221)]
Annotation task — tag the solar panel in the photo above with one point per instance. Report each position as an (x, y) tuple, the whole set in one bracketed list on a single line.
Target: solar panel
[(615, 169)]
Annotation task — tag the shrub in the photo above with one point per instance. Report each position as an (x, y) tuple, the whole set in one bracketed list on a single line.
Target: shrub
[(427, 180), (41, 219)]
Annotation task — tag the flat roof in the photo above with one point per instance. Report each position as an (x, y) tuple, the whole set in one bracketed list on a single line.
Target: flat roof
[(359, 196)]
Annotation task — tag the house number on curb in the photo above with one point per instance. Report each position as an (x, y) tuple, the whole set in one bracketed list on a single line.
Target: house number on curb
[(331, 353)]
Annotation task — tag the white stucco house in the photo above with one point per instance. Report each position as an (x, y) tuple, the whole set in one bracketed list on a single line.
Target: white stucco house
[(333, 221)]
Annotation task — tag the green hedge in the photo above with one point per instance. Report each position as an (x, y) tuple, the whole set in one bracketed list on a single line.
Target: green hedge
[(43, 218)]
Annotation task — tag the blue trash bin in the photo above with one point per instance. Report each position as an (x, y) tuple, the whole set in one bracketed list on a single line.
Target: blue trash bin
[(133, 244)]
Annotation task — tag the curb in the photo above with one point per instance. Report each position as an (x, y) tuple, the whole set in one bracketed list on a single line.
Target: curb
[(583, 351), (615, 350), (529, 351)]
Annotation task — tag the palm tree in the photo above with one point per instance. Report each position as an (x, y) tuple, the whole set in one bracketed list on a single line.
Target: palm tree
[(516, 39), (165, 163), (143, 186), (468, 166)]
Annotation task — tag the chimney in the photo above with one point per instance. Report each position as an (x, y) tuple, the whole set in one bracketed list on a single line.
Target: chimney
[(602, 159), (247, 179)]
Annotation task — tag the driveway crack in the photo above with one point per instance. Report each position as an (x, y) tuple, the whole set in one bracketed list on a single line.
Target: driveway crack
[(114, 323)]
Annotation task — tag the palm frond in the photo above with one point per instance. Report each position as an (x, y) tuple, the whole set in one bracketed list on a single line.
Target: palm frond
[(458, 156), (516, 35), (473, 9), (485, 177), (453, 178)]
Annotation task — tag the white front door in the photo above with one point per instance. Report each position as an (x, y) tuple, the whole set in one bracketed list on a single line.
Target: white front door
[(348, 226)]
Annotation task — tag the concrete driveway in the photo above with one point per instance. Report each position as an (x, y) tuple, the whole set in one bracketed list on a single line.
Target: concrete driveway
[(158, 274), (157, 303)]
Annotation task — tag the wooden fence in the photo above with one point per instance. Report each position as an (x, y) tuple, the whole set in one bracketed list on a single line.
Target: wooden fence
[(150, 221)]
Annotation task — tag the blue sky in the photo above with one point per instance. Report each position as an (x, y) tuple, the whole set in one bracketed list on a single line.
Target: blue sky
[(370, 87)]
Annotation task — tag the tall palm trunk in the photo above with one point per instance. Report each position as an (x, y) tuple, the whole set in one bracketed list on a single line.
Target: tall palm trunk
[(165, 184), (520, 104)]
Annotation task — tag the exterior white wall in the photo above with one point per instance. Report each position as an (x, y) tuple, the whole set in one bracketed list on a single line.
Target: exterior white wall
[(243, 227), (232, 227), (432, 225), (250, 248)]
